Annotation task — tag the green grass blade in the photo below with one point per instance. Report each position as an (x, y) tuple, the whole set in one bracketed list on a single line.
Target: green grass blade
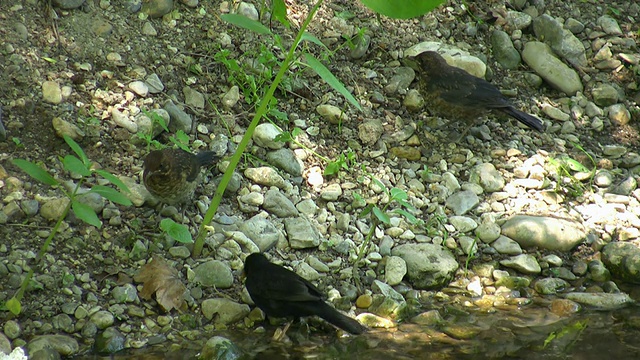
[(111, 194), (113, 179), (77, 149), (327, 76), (311, 38), (245, 22), (35, 171), (402, 9)]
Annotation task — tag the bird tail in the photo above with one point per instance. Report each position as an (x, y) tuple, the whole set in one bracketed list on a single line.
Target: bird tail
[(206, 158), (529, 120), (342, 321)]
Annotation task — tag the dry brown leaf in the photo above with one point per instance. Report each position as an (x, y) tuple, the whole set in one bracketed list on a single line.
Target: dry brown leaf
[(163, 280)]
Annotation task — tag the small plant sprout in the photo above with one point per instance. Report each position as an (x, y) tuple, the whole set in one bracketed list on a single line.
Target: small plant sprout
[(81, 165), (381, 215)]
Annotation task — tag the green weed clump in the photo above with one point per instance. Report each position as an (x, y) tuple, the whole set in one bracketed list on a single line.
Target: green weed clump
[(81, 165)]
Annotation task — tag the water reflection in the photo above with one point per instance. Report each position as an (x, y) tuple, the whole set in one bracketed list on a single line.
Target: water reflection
[(531, 334)]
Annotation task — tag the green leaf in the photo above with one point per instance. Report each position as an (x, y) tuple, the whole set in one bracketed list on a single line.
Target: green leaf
[(343, 162), (35, 171), (575, 165), (296, 131), (398, 194), (145, 137), (327, 76), (283, 137), (549, 339), (366, 211), (179, 144), (14, 306), (406, 205), (311, 38), (178, 232), (381, 215), (407, 215), (282, 116), (379, 184), (245, 22), (113, 179), (111, 194), (279, 11), (351, 155), (77, 149), (346, 14), (67, 279), (73, 164), (402, 9), (156, 118), (86, 214), (332, 168), (182, 137)]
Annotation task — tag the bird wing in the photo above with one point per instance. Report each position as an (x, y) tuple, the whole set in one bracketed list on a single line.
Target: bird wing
[(194, 171), (284, 284), (464, 89), (206, 158)]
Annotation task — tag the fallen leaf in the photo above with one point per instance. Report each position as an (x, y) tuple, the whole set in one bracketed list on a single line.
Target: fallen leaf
[(157, 277)]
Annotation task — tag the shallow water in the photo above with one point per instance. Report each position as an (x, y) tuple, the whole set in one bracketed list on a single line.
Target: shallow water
[(530, 334)]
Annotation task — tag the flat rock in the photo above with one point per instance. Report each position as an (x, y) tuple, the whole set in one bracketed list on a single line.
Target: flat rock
[(601, 301), (261, 231), (428, 265), (462, 201), (556, 73), (227, 311), (524, 263), (301, 233), (279, 204), (544, 232), (64, 345)]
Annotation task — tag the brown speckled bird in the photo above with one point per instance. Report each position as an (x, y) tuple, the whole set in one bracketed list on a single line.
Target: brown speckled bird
[(455, 94), (280, 292), (171, 175)]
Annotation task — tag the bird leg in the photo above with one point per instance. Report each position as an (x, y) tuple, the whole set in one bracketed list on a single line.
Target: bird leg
[(456, 137), (183, 213), (453, 136), (279, 334)]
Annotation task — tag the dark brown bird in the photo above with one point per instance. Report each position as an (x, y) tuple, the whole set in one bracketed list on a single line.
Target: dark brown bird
[(457, 95), (280, 292), (171, 175)]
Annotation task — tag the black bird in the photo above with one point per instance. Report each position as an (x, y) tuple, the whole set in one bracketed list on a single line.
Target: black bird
[(280, 292), (172, 175), (457, 95)]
